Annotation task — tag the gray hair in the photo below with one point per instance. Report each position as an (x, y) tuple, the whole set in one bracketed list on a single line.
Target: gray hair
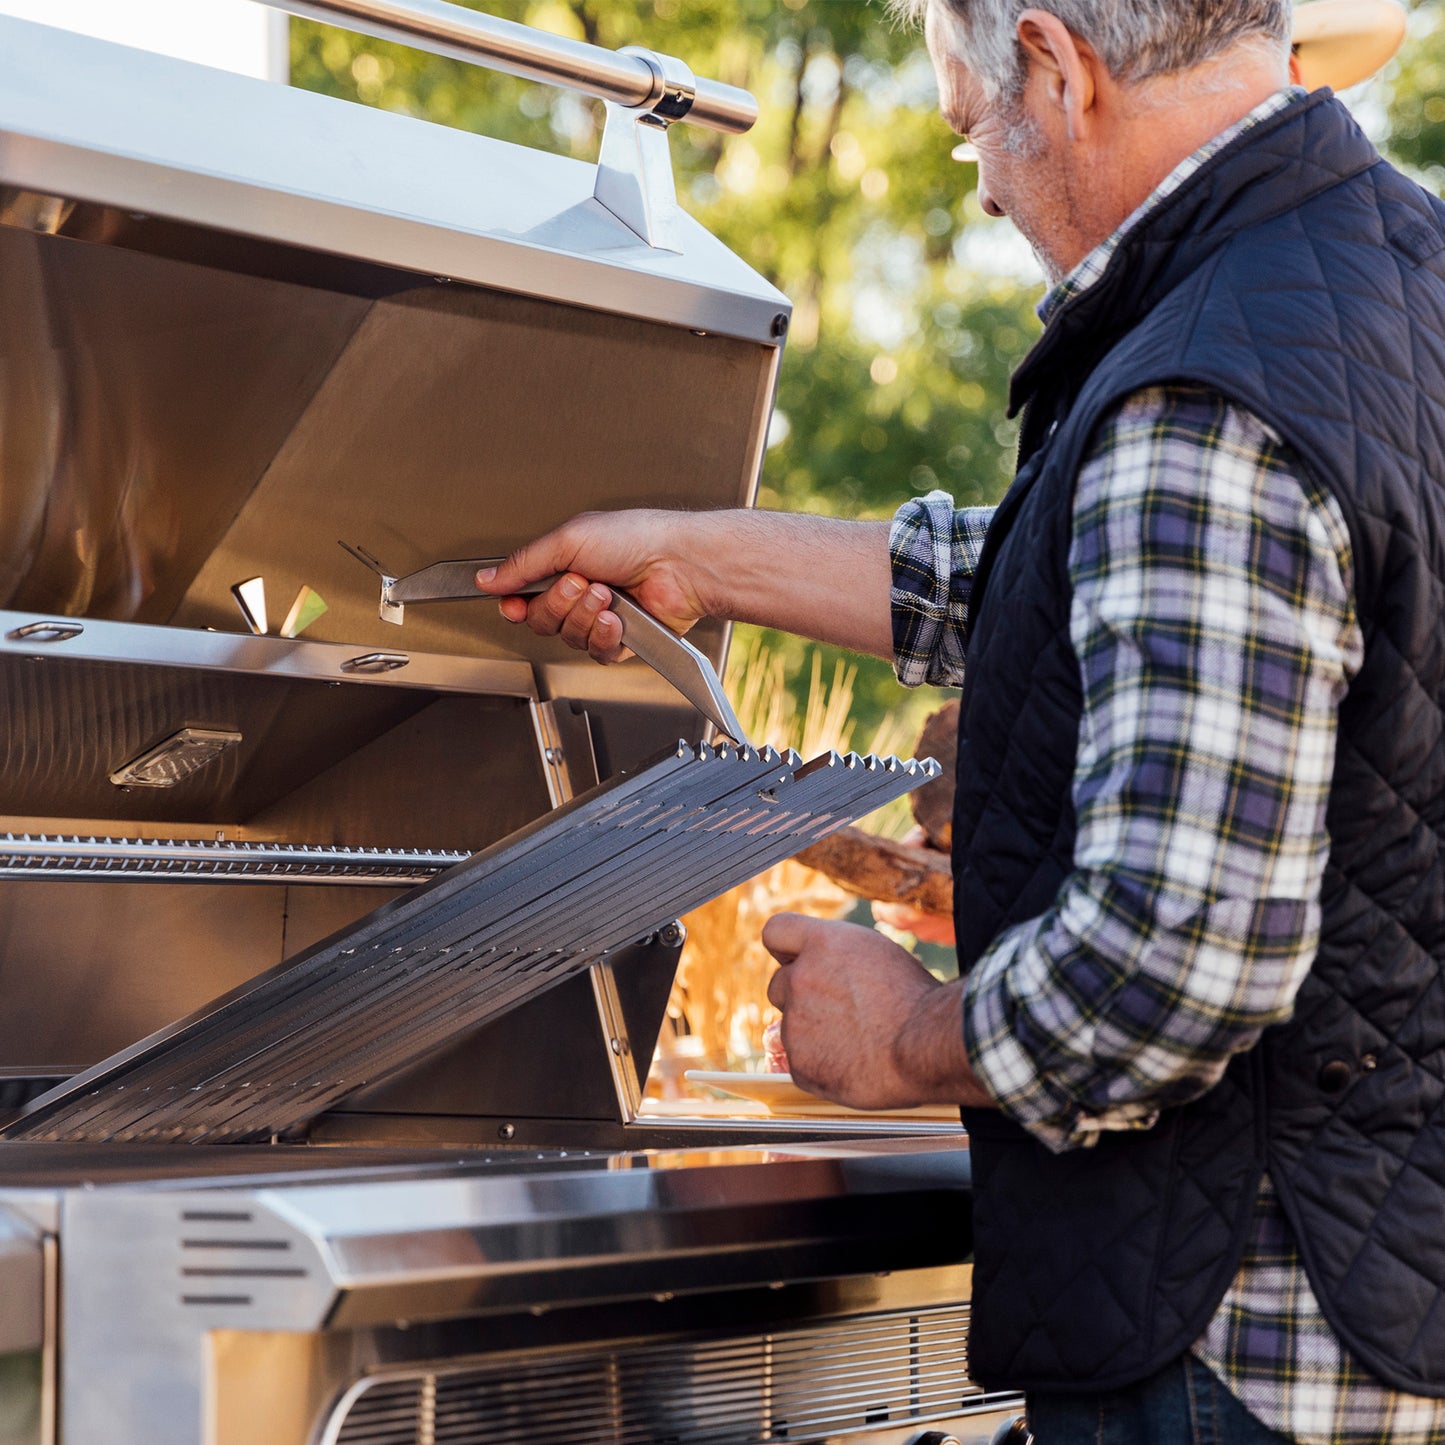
[(1136, 39)]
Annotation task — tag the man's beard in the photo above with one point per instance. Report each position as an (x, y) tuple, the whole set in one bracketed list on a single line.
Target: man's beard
[(1024, 141)]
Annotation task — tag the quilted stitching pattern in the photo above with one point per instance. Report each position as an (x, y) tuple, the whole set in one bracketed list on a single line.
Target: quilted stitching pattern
[(1305, 280)]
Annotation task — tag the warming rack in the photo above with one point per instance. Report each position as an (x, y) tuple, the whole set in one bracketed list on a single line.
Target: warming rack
[(42, 856)]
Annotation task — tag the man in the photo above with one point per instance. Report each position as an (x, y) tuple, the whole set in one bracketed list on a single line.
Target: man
[(1199, 874)]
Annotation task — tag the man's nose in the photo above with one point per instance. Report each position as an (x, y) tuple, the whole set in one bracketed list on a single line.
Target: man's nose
[(985, 199)]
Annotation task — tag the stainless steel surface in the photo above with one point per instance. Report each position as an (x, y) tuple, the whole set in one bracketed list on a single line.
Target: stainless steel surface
[(72, 724), (591, 877), (247, 656), (239, 317), (806, 1383), (520, 50), (172, 760), (89, 967), (428, 481), (195, 860), (250, 597), (214, 1255), (22, 1284), (123, 146), (634, 172), (616, 1039), (668, 654), (307, 607)]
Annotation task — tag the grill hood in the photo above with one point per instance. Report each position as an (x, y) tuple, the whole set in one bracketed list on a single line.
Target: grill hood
[(243, 321)]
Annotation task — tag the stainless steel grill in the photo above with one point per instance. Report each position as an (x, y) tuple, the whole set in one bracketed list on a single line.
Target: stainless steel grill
[(806, 1385), (242, 321)]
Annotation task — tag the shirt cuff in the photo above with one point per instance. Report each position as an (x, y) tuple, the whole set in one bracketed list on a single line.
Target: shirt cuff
[(933, 549)]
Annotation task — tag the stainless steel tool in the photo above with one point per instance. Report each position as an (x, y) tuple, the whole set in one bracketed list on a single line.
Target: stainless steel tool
[(669, 655)]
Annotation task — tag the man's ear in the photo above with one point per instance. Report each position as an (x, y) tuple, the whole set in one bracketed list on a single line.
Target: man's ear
[(1068, 66)]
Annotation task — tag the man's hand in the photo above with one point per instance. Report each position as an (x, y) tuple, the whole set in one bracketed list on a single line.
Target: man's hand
[(815, 576), (643, 551), (865, 1024)]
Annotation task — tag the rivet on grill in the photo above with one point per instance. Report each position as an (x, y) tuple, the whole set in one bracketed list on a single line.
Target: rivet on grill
[(507, 1131)]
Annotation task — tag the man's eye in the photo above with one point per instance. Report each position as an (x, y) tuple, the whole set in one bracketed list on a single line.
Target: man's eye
[(966, 152)]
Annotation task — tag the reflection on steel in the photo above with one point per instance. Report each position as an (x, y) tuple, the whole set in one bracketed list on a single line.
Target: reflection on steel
[(521, 916), (515, 49), (250, 597), (175, 758), (125, 859), (308, 606)]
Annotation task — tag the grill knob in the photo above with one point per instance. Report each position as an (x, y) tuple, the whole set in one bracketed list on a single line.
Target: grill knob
[(1015, 1432)]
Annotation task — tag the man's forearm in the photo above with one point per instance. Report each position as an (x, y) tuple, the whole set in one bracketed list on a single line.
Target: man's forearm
[(815, 576), (819, 577)]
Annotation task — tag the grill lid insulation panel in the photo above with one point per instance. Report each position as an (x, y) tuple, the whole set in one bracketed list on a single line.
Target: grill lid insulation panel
[(596, 875)]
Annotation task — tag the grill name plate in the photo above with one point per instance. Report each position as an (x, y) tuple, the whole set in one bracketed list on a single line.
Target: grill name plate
[(596, 875)]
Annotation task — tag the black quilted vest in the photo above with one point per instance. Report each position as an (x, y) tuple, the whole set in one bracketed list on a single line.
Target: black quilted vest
[(1304, 278)]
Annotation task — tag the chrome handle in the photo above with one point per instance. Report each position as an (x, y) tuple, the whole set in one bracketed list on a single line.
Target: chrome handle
[(513, 49), (45, 632), (374, 662)]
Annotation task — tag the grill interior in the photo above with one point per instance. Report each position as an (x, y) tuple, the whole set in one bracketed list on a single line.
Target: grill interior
[(802, 1384), (500, 928)]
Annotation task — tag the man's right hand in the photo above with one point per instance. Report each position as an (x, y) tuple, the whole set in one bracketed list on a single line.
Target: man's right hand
[(643, 551)]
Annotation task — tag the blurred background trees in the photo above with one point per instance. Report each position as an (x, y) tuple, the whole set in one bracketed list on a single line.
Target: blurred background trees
[(911, 306)]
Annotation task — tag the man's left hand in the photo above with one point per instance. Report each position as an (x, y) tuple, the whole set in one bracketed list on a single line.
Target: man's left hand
[(864, 1023)]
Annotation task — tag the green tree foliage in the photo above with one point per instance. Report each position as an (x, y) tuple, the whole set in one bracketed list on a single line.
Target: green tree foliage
[(1416, 98), (844, 195)]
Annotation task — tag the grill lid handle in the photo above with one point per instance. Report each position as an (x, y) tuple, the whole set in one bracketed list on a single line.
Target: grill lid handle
[(626, 77), (671, 656)]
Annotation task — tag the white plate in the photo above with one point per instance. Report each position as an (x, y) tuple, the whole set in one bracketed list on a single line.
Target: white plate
[(782, 1096)]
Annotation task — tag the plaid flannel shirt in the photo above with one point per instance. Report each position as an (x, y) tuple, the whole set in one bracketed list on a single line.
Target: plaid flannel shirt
[(1213, 619)]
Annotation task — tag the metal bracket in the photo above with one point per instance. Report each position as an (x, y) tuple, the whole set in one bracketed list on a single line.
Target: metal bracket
[(634, 169)]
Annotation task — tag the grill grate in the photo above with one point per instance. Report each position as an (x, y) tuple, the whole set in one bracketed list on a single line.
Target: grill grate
[(24, 855), (804, 1384), (591, 877)]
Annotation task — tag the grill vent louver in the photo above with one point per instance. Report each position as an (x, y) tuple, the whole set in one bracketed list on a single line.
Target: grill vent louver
[(800, 1385), (591, 877)]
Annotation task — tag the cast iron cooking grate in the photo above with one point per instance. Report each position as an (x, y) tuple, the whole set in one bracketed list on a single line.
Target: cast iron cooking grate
[(602, 872), (810, 1383)]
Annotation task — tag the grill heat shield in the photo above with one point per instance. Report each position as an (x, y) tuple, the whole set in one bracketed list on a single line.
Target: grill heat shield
[(594, 876)]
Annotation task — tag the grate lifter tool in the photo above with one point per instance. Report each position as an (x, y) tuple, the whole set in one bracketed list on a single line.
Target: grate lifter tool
[(671, 656)]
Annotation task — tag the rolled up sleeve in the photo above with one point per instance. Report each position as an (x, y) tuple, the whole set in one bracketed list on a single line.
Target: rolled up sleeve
[(934, 550)]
